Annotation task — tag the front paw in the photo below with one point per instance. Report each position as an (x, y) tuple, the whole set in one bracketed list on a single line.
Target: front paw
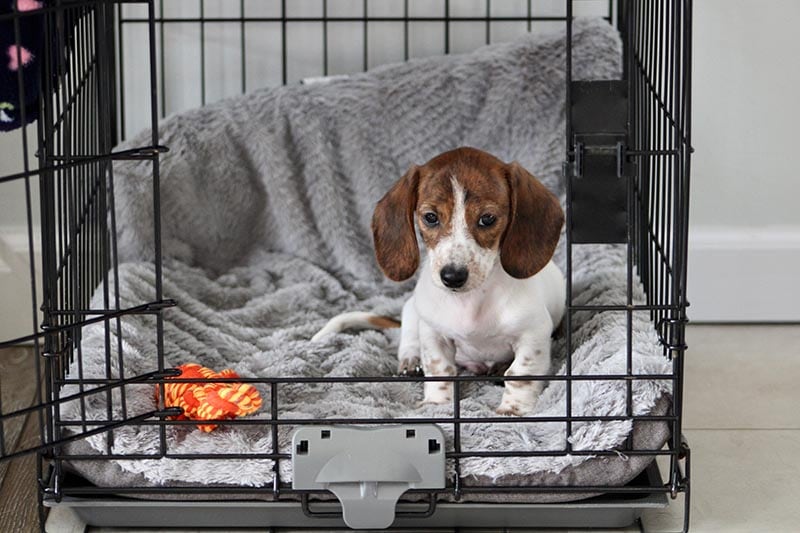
[(437, 393), (515, 406), (509, 409), (433, 401), (410, 367)]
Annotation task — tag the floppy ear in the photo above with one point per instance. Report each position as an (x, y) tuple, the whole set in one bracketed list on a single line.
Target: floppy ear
[(393, 228), (534, 227)]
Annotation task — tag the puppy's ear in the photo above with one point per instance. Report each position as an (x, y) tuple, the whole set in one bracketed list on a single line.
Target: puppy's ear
[(393, 228), (534, 227)]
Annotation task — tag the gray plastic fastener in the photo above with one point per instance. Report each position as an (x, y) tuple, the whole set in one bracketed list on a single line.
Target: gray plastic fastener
[(368, 469)]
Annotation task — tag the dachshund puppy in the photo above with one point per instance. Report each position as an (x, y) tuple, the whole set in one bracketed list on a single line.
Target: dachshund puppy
[(488, 293)]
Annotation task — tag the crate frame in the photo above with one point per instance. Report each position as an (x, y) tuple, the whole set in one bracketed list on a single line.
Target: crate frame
[(82, 118)]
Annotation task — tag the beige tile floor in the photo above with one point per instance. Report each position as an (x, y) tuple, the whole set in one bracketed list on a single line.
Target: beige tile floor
[(743, 424)]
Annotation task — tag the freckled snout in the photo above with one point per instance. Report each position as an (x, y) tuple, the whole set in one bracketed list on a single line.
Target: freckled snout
[(454, 277)]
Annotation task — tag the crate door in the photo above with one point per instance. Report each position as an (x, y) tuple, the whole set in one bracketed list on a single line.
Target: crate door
[(48, 381)]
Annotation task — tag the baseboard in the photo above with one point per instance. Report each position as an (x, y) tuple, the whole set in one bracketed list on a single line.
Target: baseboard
[(744, 274)]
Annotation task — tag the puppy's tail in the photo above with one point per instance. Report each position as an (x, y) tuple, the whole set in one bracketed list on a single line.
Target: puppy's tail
[(355, 320)]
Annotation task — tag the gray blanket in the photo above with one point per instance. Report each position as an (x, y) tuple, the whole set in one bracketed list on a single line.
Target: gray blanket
[(266, 202)]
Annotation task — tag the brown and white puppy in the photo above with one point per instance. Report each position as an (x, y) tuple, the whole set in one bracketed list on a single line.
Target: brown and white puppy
[(488, 293)]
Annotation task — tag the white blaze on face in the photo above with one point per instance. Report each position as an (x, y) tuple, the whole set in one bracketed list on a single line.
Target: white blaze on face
[(459, 248)]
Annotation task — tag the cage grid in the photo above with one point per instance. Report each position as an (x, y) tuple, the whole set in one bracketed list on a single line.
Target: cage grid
[(86, 105)]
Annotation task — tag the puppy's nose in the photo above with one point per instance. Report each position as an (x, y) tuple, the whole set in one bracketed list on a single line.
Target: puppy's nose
[(453, 276)]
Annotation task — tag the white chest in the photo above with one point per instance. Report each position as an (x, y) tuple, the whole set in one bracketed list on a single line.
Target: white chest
[(479, 324)]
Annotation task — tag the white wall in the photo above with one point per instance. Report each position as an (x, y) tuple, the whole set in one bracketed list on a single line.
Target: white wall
[(745, 220), (12, 209), (15, 280)]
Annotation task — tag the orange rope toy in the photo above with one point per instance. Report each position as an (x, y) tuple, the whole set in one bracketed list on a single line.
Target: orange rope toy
[(210, 401)]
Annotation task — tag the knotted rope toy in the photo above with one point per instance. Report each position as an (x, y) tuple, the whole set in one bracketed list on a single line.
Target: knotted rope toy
[(210, 400)]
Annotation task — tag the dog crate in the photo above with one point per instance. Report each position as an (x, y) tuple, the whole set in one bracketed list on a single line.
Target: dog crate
[(90, 74)]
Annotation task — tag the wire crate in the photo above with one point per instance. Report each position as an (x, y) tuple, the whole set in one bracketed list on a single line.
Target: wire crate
[(103, 71)]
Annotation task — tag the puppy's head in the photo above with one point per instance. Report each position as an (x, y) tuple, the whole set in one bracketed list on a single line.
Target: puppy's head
[(473, 210)]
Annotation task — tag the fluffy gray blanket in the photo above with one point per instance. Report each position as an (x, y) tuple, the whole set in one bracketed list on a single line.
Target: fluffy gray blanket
[(266, 202)]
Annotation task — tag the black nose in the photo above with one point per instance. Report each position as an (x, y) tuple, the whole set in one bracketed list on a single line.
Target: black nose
[(453, 276)]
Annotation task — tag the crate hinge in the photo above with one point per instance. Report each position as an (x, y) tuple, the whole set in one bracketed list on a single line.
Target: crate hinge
[(597, 166)]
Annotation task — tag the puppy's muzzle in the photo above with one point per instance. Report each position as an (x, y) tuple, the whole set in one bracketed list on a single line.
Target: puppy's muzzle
[(454, 277)]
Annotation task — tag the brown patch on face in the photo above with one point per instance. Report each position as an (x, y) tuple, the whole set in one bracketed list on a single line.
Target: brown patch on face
[(435, 196), (383, 322), (486, 194), (482, 176)]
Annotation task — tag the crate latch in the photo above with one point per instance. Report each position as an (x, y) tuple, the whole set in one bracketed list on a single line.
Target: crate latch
[(368, 469), (597, 166), (612, 146)]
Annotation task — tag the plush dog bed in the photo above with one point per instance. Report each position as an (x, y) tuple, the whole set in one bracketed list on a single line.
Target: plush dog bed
[(266, 203)]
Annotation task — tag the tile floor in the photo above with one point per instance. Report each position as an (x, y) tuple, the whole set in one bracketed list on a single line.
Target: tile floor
[(743, 425)]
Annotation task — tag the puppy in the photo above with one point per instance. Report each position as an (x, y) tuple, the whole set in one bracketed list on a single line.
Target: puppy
[(488, 294)]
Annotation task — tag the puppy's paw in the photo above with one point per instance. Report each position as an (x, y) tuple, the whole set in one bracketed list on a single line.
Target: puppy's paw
[(436, 400), (410, 367), (509, 409), (514, 407), (438, 393)]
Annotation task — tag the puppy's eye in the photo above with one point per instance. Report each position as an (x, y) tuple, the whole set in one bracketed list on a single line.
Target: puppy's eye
[(431, 219), (486, 220)]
